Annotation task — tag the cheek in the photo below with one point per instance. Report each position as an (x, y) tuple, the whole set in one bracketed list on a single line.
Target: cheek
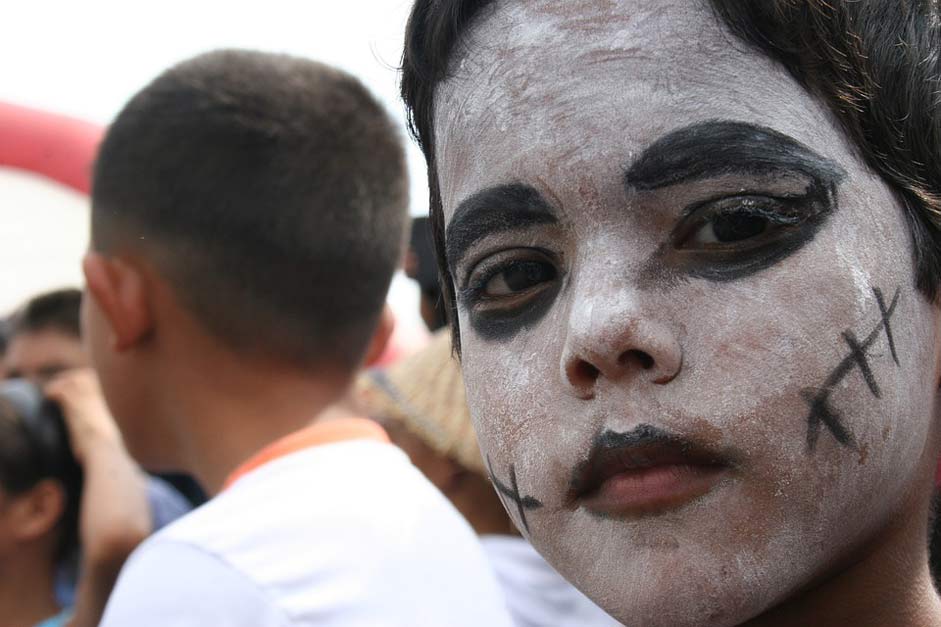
[(769, 348), (500, 394), (530, 431)]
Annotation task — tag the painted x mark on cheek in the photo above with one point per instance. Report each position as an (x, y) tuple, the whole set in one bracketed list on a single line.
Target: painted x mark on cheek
[(822, 412), (520, 503)]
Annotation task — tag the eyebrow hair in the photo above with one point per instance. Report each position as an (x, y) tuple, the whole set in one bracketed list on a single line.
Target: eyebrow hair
[(716, 147), (509, 207)]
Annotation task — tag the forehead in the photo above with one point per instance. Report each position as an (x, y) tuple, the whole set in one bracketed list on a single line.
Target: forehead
[(37, 347), (540, 90)]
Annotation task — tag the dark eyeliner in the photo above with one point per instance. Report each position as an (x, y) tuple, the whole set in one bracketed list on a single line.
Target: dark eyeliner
[(746, 203), (734, 261), (471, 284), (503, 324)]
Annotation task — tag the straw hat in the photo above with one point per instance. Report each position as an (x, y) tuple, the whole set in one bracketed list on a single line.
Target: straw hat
[(425, 393)]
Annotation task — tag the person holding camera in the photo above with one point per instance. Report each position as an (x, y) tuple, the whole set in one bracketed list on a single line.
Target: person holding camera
[(66, 481)]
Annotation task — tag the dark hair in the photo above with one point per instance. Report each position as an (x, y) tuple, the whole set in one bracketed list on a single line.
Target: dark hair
[(270, 191), (4, 335), (934, 539), (421, 244), (34, 446), (424, 271), (59, 310), (874, 63)]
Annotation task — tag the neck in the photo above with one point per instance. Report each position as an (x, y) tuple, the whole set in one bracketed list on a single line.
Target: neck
[(886, 583), (220, 422), (27, 589)]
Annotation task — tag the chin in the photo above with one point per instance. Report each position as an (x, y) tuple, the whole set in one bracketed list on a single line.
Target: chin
[(688, 568), (679, 589)]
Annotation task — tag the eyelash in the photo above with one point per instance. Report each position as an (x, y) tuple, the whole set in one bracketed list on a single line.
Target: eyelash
[(780, 211), (484, 272)]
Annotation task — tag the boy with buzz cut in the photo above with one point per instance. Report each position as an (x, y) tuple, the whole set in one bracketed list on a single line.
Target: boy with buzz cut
[(247, 216)]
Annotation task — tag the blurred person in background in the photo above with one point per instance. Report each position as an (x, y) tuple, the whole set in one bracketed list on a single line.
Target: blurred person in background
[(420, 402), (4, 340), (248, 213), (65, 483), (44, 342), (44, 337), (421, 266)]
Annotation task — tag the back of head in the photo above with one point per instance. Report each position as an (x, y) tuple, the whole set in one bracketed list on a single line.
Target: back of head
[(269, 192)]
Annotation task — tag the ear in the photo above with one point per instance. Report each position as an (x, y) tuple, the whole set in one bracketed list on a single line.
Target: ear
[(35, 513), (119, 290), (380, 337)]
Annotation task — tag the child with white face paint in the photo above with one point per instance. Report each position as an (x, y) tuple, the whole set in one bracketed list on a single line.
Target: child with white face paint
[(693, 250)]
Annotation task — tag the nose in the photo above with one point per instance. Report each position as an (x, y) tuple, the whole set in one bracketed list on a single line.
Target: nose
[(620, 344)]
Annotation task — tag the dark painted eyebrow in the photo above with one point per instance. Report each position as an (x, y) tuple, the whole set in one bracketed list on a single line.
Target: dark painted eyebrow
[(492, 210), (716, 147)]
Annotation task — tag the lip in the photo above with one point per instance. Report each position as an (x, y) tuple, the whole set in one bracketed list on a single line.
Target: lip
[(644, 471)]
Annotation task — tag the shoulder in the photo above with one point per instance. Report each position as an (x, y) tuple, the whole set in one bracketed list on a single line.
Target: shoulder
[(165, 583), (166, 504), (343, 534), (383, 529)]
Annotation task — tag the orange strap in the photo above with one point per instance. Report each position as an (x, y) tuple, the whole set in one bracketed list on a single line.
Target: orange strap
[(316, 434)]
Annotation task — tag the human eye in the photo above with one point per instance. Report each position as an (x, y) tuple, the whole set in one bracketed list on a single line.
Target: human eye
[(736, 235), (510, 289), (517, 278), (509, 278), (739, 221)]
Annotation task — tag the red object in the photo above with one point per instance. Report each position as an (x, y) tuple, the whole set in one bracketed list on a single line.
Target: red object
[(56, 146)]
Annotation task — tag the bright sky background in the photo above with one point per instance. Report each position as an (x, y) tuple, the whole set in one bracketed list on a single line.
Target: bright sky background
[(87, 58)]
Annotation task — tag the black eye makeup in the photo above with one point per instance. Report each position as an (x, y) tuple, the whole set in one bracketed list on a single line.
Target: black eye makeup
[(734, 236), (514, 279), (511, 290), (780, 195), (743, 219)]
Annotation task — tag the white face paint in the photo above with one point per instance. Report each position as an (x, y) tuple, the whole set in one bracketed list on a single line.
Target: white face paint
[(706, 315)]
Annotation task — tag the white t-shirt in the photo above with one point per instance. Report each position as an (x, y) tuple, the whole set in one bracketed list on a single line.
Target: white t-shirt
[(344, 534), (536, 594)]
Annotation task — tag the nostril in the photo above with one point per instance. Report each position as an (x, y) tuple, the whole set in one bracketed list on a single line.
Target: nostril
[(637, 357), (584, 371)]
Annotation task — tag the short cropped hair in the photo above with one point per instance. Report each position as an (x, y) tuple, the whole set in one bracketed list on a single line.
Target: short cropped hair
[(269, 191), (874, 63), (59, 310)]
